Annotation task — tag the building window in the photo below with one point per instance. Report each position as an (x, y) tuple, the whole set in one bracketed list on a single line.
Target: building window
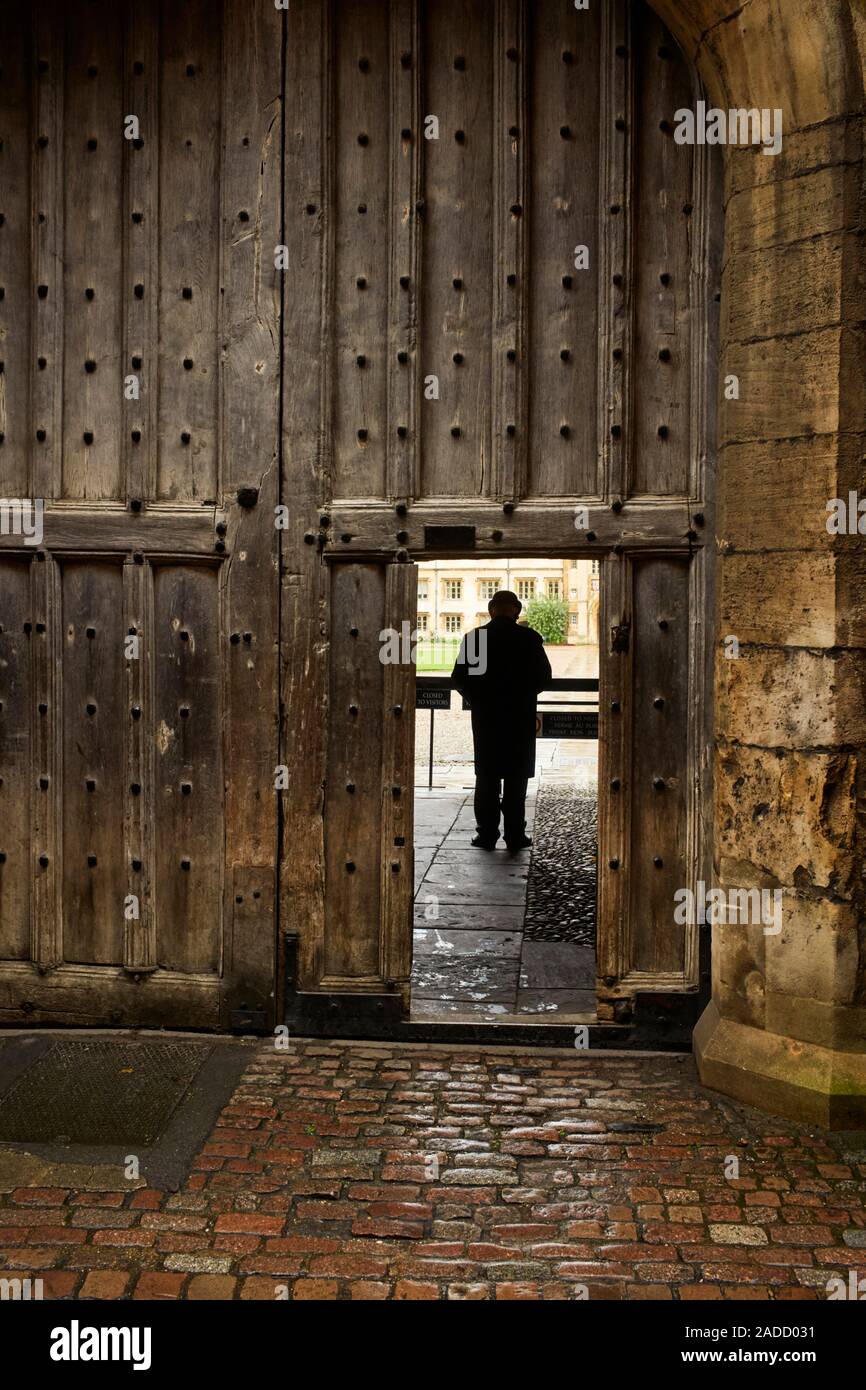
[(453, 621), (595, 566), (423, 622), (554, 588), (452, 589), (525, 589), (572, 618), (423, 590), (481, 619), (486, 589)]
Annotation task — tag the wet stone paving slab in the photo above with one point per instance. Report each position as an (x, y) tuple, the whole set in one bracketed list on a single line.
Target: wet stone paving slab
[(500, 936)]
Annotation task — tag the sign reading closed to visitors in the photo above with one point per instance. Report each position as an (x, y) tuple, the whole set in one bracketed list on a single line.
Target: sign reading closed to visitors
[(432, 697), (566, 723)]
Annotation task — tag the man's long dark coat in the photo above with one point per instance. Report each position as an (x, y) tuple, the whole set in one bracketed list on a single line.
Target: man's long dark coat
[(503, 698)]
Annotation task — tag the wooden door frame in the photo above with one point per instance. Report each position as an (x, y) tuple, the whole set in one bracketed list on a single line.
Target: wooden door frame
[(617, 983)]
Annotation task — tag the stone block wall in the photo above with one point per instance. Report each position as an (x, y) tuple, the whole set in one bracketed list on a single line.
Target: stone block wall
[(787, 1025)]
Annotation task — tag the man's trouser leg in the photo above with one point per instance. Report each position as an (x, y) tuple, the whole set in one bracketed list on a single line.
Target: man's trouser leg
[(514, 809), (487, 806)]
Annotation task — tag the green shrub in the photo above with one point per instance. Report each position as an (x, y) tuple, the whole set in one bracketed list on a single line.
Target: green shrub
[(549, 616)]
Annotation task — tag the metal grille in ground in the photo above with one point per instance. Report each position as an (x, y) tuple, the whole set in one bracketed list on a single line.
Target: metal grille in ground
[(100, 1092), (561, 891)]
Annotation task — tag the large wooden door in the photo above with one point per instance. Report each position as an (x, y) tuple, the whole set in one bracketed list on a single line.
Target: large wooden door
[(141, 177), (499, 339), (279, 301)]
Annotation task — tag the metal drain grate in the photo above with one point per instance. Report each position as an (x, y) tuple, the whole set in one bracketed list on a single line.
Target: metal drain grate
[(99, 1092)]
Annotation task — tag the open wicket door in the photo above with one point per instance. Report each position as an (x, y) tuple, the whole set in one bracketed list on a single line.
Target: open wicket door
[(360, 900), (653, 777)]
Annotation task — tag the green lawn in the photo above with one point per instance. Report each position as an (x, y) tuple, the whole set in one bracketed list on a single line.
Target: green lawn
[(437, 654)]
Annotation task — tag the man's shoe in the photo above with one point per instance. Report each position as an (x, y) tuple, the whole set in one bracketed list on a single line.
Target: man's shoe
[(515, 845), (481, 843)]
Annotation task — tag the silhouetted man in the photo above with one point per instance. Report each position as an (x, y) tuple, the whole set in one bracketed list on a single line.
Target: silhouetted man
[(500, 669)]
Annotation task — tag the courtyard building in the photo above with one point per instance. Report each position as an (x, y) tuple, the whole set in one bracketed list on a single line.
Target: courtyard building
[(453, 595)]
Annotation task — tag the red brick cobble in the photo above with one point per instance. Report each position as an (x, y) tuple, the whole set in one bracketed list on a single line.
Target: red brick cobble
[(370, 1172)]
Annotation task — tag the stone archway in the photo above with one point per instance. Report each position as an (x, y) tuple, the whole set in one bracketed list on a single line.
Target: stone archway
[(592, 622), (786, 1028)]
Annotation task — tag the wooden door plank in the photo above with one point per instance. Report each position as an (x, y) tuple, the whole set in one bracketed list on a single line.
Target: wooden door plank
[(46, 781), (306, 442), (508, 315), (141, 250), (362, 136), (93, 161), (563, 193), (397, 883), (16, 706), (664, 197), (353, 793), (85, 996), (186, 737), (537, 529), (457, 272), (94, 724), (139, 940), (47, 252), (111, 530), (614, 777), (660, 791), (705, 284), (190, 135), (251, 178), (404, 251), (16, 285), (616, 248)]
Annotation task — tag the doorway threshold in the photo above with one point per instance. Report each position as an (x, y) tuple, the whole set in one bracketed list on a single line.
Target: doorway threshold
[(336, 1017), (381, 1018), (581, 1034), (498, 1018)]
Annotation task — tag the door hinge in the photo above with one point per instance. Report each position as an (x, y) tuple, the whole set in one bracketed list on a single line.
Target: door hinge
[(619, 636)]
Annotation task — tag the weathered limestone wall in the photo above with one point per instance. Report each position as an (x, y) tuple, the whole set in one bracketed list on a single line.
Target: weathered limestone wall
[(787, 1025)]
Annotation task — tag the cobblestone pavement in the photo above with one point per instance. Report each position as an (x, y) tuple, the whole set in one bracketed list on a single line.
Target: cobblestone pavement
[(561, 888), (360, 1171)]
